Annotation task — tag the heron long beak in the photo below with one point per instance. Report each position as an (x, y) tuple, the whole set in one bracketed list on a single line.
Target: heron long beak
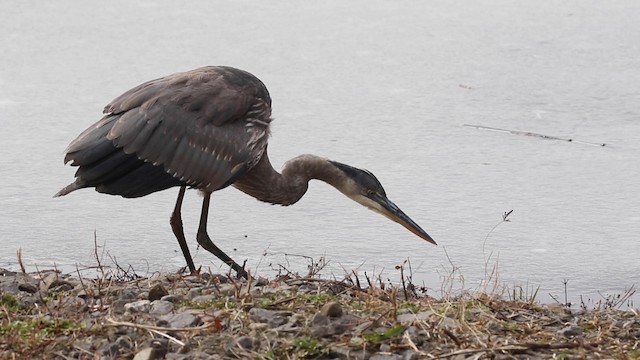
[(393, 212)]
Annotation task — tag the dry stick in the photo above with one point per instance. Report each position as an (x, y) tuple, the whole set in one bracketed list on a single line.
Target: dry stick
[(404, 286), (357, 279), (516, 347), (412, 345), (19, 254), (168, 337), (285, 300), (452, 336), (527, 133), (158, 328)]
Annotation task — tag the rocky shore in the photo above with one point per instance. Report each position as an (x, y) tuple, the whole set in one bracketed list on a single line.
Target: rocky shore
[(49, 315)]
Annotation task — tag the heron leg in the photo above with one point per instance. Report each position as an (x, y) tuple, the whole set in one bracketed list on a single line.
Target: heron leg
[(178, 230), (205, 241)]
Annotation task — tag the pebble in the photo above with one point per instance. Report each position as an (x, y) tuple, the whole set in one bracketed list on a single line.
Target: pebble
[(110, 350), (193, 293), (140, 306), (386, 356), (128, 293), (320, 319), (449, 323), (227, 289), (410, 318), (28, 287), (182, 320), (244, 329), (47, 280), (157, 292), (174, 298), (160, 307), (493, 327), (344, 352), (274, 318), (332, 309), (149, 353), (124, 342), (204, 298), (247, 342), (571, 331)]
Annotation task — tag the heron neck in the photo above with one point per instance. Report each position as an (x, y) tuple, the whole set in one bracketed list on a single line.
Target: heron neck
[(266, 184)]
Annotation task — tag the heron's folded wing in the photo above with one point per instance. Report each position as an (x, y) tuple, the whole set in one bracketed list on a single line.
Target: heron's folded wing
[(205, 127)]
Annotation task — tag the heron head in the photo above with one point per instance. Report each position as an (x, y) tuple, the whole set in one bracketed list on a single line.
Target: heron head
[(364, 188)]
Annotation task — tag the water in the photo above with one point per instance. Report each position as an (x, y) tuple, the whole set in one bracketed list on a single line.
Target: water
[(387, 86)]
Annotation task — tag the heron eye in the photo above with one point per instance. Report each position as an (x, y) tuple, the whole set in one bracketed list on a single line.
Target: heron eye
[(371, 192)]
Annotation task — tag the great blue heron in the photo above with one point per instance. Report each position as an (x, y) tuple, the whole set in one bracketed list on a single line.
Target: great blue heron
[(206, 129)]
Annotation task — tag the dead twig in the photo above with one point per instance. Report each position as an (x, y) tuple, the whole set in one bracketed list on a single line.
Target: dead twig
[(518, 347), (532, 134), (19, 254), (171, 338), (158, 328)]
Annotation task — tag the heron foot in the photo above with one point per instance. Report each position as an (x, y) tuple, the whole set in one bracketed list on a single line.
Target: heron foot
[(205, 241)]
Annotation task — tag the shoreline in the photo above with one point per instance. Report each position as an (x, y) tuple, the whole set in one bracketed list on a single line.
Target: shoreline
[(213, 316)]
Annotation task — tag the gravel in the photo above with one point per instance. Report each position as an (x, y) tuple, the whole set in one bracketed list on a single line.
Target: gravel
[(209, 316)]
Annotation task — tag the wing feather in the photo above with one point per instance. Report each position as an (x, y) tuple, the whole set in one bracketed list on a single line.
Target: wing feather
[(201, 126)]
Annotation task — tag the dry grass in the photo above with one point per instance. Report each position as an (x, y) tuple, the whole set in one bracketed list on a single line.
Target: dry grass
[(490, 322)]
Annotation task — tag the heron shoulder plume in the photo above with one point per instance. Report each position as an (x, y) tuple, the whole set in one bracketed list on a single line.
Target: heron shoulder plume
[(206, 129)]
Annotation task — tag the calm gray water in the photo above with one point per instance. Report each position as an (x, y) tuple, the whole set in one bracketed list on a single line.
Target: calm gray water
[(387, 86)]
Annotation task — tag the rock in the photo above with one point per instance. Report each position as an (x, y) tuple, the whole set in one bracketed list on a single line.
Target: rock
[(149, 353), (319, 331), (449, 323), (6, 272), (274, 318), (161, 345), (410, 355), (385, 356), (276, 289), (174, 298), (571, 331), (193, 293), (182, 320), (320, 325), (140, 306), (258, 327), (160, 307), (109, 350), (319, 319), (29, 301), (227, 289), (247, 342), (60, 285), (124, 342), (493, 327), (344, 352), (204, 298), (409, 318), (332, 309), (360, 328), (128, 293), (144, 354), (190, 356), (157, 292), (293, 323), (47, 280), (117, 306), (28, 287)]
